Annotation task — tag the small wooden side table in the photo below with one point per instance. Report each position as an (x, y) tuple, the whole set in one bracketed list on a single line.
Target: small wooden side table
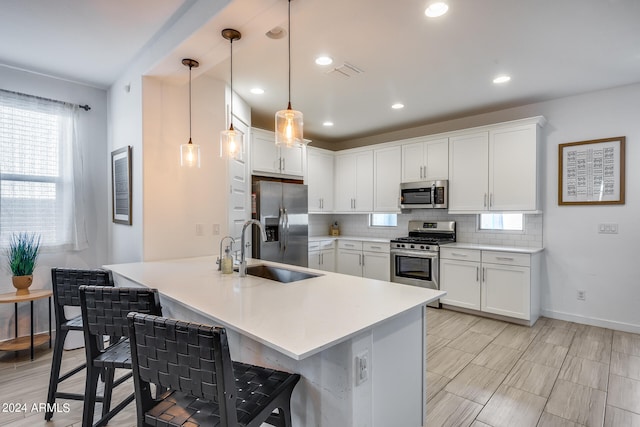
[(21, 343)]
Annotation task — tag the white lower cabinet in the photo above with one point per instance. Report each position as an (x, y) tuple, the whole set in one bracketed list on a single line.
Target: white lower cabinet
[(363, 259), (501, 283), (322, 255)]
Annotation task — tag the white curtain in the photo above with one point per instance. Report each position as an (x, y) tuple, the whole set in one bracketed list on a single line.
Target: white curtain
[(41, 171)]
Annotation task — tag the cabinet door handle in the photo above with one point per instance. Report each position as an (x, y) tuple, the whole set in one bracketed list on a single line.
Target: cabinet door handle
[(363, 260), (491, 200), (280, 163), (458, 254), (484, 274), (505, 258), (477, 274), (485, 200), (420, 172), (376, 247), (321, 258), (284, 164)]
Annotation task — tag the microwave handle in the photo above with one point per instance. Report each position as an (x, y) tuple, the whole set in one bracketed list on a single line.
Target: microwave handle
[(433, 194)]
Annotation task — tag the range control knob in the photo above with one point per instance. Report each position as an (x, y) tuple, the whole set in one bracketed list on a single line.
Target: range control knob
[(412, 246), (422, 247)]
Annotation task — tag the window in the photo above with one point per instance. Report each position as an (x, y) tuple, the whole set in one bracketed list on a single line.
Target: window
[(383, 220), (501, 222), (37, 184)]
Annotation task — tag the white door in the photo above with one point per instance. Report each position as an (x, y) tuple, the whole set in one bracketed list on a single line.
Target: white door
[(437, 159), (468, 172), (461, 281), (264, 152), (364, 181), (291, 161), (349, 262), (506, 290), (345, 182), (386, 184), (376, 265), (513, 169), (413, 162), (239, 201)]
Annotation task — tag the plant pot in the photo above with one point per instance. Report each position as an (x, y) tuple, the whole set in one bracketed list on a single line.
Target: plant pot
[(22, 283)]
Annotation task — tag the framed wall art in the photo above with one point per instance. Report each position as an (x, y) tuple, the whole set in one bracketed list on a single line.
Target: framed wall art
[(591, 172), (121, 185)]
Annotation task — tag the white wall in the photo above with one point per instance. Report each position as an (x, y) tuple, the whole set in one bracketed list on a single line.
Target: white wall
[(93, 137), (175, 198), (576, 257)]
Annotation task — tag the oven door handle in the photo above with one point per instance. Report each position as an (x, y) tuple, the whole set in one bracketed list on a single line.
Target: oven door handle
[(416, 254)]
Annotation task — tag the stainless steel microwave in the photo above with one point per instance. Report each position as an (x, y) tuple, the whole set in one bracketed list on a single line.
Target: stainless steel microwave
[(424, 195)]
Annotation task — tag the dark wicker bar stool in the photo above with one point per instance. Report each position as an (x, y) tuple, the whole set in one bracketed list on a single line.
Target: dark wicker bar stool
[(104, 312), (205, 388), (65, 283)]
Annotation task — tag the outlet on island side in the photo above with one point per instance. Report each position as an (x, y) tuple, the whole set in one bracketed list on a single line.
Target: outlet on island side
[(581, 295), (362, 367)]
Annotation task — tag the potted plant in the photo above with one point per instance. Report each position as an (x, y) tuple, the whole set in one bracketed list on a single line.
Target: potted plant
[(23, 254)]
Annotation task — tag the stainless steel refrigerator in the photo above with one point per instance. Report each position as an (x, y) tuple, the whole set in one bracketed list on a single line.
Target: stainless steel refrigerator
[(282, 210)]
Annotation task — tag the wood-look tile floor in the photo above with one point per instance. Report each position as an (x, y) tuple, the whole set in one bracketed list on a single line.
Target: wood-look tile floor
[(483, 372), (480, 372)]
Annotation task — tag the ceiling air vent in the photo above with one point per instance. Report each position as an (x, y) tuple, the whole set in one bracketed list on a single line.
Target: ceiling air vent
[(346, 70)]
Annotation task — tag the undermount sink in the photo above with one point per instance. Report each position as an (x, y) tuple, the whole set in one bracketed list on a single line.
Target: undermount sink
[(278, 274)]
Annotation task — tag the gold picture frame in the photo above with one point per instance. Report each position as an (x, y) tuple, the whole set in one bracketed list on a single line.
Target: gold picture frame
[(121, 185), (592, 172)]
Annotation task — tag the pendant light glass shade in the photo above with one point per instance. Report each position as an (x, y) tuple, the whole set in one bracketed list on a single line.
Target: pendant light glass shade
[(190, 155), (231, 140), (289, 128), (190, 152), (289, 122), (231, 143)]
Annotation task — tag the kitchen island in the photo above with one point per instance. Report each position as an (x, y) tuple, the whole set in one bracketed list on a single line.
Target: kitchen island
[(359, 344)]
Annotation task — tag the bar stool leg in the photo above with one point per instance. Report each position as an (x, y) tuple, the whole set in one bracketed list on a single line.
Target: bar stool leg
[(90, 393), (109, 375), (55, 371)]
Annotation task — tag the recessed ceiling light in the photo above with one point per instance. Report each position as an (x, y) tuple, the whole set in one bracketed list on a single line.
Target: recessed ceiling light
[(397, 106), (327, 124), (276, 33), (501, 79), (436, 9), (257, 91), (324, 60)]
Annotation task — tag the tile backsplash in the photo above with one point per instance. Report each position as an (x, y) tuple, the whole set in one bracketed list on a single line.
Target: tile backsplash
[(466, 228)]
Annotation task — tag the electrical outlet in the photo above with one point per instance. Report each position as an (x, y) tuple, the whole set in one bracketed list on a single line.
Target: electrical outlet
[(199, 229), (216, 229), (362, 367), (581, 295)]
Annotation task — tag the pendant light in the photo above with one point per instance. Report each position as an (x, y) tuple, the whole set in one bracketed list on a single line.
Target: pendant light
[(289, 121), (190, 152), (231, 141)]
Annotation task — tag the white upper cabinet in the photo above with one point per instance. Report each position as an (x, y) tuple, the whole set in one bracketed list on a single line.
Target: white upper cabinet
[(513, 166), (320, 179), (387, 179), (354, 182), (269, 159), (425, 160), (468, 172), (497, 169)]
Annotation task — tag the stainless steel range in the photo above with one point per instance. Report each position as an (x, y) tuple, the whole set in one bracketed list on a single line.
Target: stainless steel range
[(415, 259)]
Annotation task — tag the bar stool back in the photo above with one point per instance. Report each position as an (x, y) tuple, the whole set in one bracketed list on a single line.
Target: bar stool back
[(205, 388), (104, 312), (66, 283)]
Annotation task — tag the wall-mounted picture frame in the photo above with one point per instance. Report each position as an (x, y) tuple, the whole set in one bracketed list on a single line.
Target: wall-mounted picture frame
[(592, 172), (121, 185)]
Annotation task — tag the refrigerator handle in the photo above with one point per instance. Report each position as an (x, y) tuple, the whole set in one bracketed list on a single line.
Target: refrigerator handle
[(280, 229), (286, 229)]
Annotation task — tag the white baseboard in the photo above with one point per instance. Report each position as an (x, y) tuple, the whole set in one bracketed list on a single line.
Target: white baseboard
[(603, 323)]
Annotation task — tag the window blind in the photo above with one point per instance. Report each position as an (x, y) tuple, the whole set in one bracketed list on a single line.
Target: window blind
[(38, 168)]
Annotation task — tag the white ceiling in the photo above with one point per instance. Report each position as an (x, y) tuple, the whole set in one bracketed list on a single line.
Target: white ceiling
[(439, 68)]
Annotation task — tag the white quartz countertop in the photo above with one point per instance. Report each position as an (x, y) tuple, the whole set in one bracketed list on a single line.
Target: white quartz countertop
[(483, 247), (297, 319), (362, 239)]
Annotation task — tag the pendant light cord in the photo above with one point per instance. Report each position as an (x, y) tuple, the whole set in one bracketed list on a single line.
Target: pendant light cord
[(190, 66), (289, 39), (231, 112)]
